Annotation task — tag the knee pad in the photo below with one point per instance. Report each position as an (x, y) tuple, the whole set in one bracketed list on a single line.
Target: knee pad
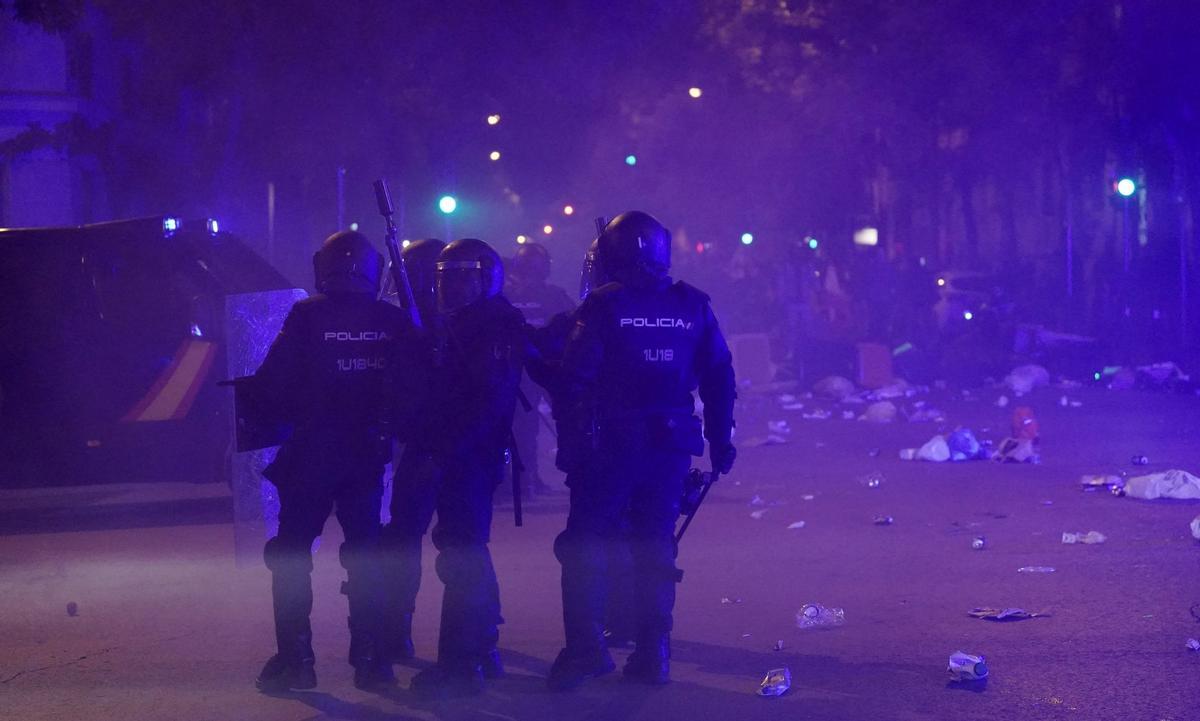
[(280, 555), (462, 563), (356, 556), (580, 549), (570, 548)]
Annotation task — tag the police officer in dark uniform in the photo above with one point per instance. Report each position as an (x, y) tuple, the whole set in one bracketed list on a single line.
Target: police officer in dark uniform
[(415, 480), (539, 301), (545, 368), (477, 370), (339, 374), (641, 345)]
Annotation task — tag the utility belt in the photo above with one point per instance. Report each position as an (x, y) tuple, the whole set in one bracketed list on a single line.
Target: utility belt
[(657, 431)]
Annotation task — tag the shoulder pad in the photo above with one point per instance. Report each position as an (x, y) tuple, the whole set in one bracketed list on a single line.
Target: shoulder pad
[(690, 290)]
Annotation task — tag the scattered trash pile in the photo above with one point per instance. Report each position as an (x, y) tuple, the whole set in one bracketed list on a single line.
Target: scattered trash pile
[(882, 405), (1165, 376), (897, 402), (1166, 484), (960, 445), (1173, 483), (1024, 379)]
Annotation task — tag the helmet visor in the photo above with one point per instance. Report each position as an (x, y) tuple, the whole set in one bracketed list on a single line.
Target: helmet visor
[(459, 284)]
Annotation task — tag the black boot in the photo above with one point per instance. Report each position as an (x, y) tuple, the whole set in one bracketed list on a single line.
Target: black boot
[(400, 643), (572, 668), (651, 661), (371, 668), (449, 680), (491, 666), (291, 600), (291, 668)]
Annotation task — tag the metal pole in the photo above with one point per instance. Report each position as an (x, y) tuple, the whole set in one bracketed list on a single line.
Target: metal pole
[(1070, 246), (341, 198), (271, 223), (1184, 228), (1125, 240)]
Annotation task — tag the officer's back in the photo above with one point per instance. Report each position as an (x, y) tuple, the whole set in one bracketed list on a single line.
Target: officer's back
[(640, 346), (653, 334), (338, 364)]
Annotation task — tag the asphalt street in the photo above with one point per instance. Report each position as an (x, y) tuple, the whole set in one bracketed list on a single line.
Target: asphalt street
[(166, 627)]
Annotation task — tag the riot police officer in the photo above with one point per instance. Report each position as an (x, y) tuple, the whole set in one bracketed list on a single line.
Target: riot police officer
[(475, 379), (641, 345), (545, 368), (329, 375), (415, 479), (539, 301)]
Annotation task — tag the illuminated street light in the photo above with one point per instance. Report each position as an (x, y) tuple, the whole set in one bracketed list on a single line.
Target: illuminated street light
[(941, 282), (354, 226), (631, 160), (812, 243), (747, 238), (695, 92), (447, 204), (493, 119), (568, 210), (494, 155), (1126, 187), (405, 243), (866, 236), (522, 240), (547, 229), (968, 315)]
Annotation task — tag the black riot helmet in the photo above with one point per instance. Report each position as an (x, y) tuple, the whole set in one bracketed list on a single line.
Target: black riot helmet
[(531, 264), (634, 245), (420, 261), (347, 263), (592, 275), (468, 270)]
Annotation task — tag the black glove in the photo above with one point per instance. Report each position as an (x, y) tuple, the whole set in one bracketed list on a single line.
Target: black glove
[(722, 455)]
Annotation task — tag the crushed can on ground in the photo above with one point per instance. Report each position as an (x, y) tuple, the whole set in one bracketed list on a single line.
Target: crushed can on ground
[(1091, 537), (967, 667), (814, 615), (1004, 614), (776, 682)]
